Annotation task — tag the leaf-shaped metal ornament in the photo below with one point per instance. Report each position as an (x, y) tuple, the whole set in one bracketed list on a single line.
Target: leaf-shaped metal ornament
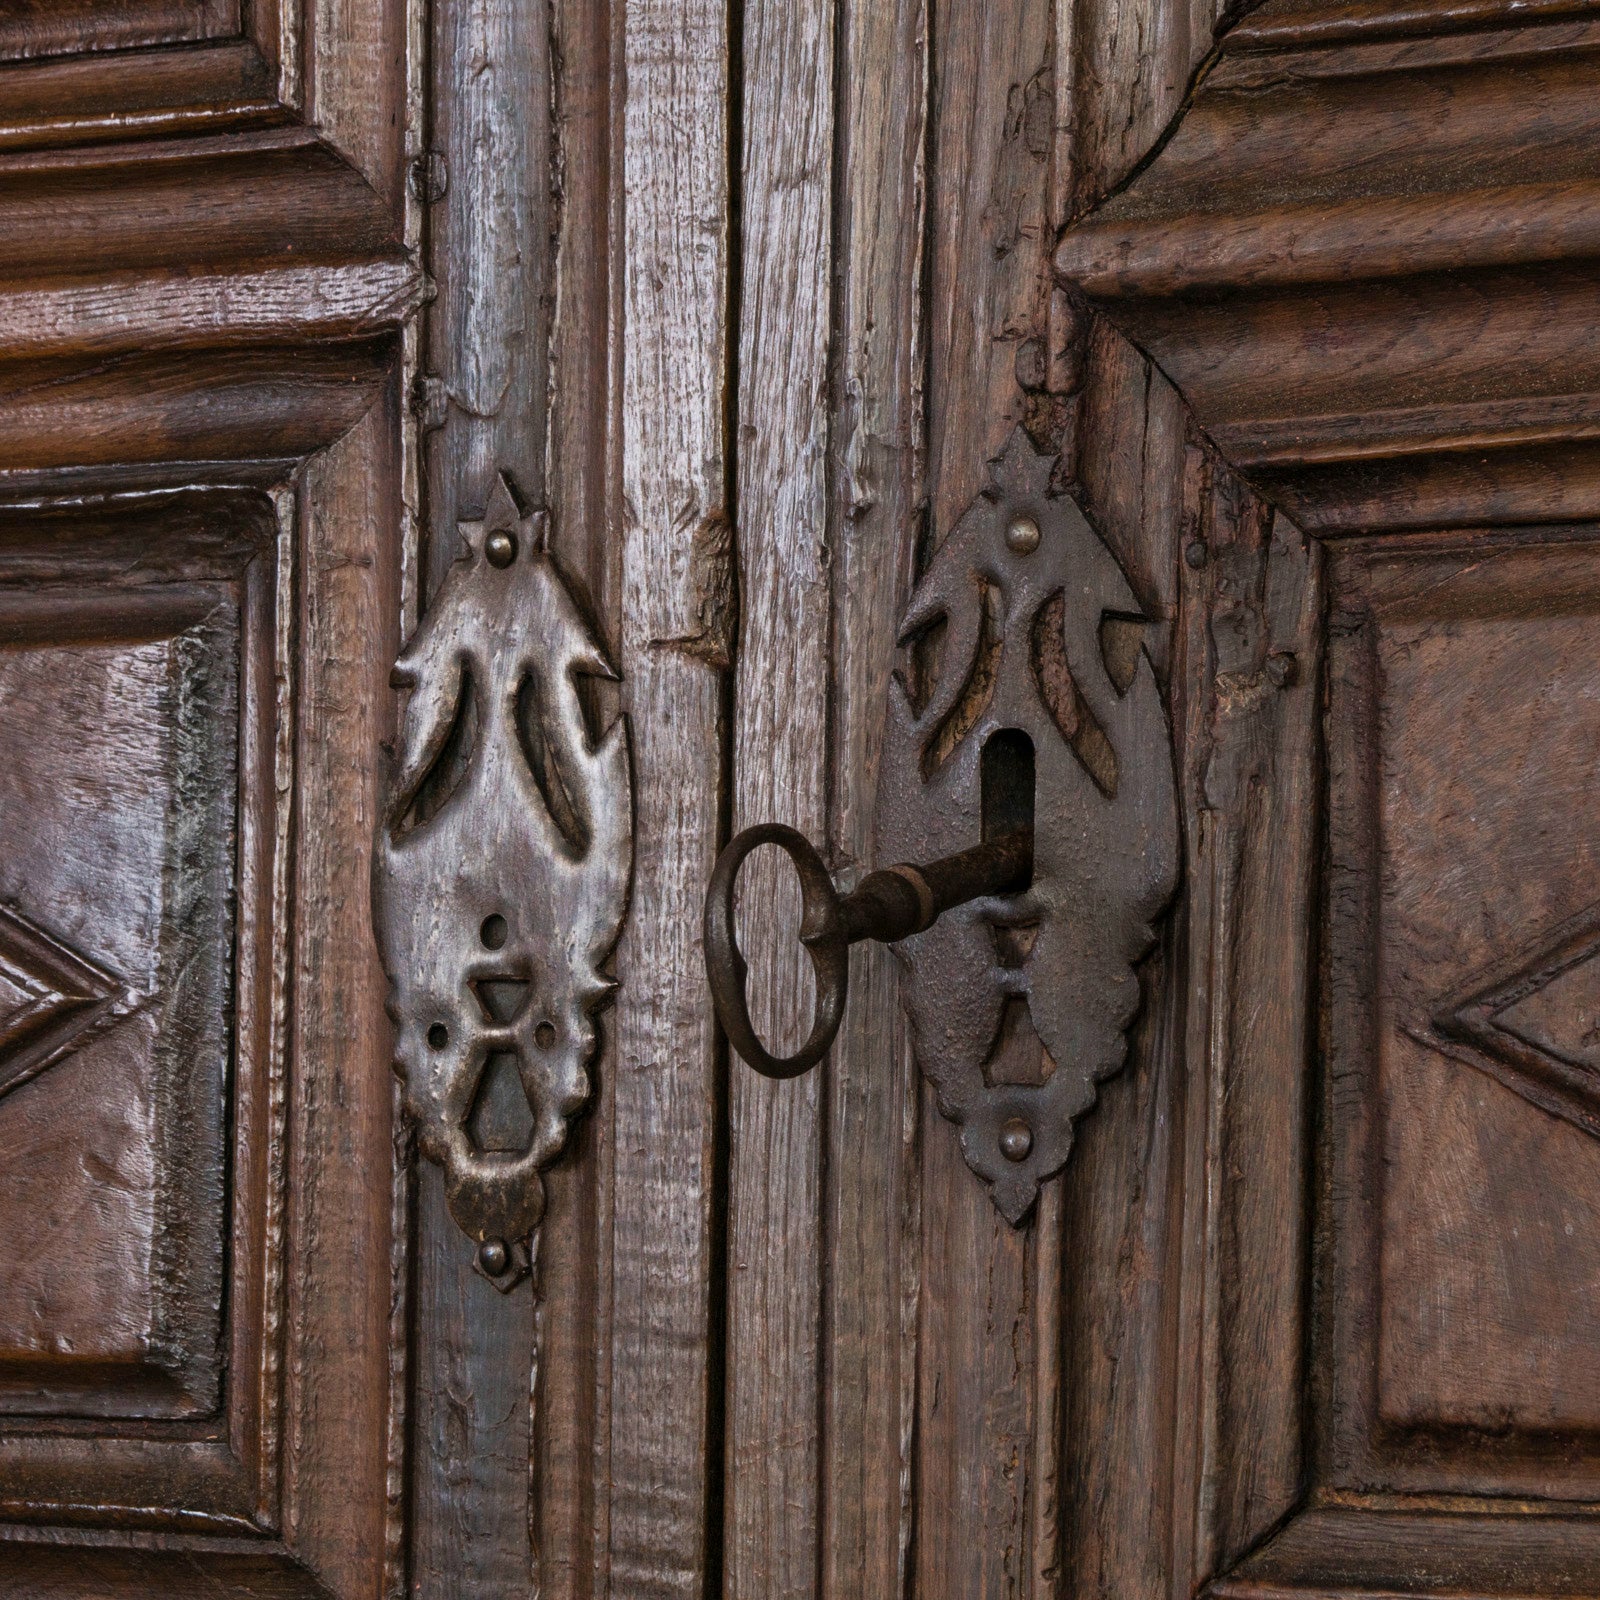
[(1041, 645), (501, 876)]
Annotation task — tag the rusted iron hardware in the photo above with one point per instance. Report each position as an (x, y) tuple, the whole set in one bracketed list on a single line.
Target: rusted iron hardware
[(1025, 709), (887, 905), (501, 877)]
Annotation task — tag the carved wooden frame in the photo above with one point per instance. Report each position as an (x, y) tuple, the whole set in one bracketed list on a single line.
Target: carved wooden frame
[(1378, 331), (267, 393), (216, 1462)]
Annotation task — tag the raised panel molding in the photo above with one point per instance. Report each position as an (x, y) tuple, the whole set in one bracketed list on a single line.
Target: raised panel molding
[(193, 275), (1365, 254), (209, 253), (139, 655), (53, 999), (1368, 256)]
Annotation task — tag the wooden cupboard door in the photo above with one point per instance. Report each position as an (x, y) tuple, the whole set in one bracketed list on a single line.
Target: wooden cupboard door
[(1390, 1323), (1297, 301), (205, 276)]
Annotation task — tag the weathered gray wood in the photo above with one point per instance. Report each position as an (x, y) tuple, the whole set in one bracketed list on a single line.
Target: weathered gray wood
[(676, 639), (989, 185), (573, 1335), (481, 397), (872, 1176), (781, 735)]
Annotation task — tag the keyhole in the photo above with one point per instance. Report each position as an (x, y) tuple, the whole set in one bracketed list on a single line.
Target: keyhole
[(1006, 776)]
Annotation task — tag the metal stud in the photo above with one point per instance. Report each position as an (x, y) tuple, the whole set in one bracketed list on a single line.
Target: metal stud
[(1016, 1140), (1022, 535), (500, 548), (493, 1257)]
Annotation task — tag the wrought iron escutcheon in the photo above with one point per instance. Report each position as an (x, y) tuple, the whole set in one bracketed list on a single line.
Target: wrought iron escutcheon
[(1027, 760), (501, 875)]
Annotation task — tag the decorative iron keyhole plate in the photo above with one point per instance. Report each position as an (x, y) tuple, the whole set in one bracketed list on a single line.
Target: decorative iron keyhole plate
[(1042, 646), (501, 876)]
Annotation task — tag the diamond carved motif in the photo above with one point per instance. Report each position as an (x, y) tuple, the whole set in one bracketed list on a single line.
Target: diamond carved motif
[(1534, 1022), (53, 1000)]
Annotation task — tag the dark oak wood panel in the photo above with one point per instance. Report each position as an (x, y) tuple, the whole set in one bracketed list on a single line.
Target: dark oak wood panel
[(140, 651), (200, 551), (123, 776), (1461, 1340), (1355, 252), (75, 27)]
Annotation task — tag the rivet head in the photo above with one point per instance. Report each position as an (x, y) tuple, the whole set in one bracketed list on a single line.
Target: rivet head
[(1196, 554), (1016, 1140), (493, 1257), (1022, 534), (500, 548)]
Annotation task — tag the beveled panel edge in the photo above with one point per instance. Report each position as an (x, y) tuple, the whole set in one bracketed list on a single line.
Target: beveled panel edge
[(35, 1566), (228, 1457), (1336, 1550), (161, 68), (1313, 307)]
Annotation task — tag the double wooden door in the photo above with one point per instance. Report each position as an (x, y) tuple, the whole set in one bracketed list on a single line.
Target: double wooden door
[(724, 313)]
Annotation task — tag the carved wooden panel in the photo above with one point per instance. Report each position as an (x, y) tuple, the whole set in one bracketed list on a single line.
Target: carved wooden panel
[(1462, 1322), (1360, 256), (32, 28), (201, 534), (141, 956), (117, 805)]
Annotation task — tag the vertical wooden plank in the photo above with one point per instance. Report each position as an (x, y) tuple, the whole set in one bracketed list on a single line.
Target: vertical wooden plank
[(1253, 668), (987, 1364), (780, 748), (574, 1261), (993, 145), (1122, 1191), (677, 628), (341, 1099), (1131, 64), (486, 177), (355, 63), (485, 183), (354, 523), (873, 1199)]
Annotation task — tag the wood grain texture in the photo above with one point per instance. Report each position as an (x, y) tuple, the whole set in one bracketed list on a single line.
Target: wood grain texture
[(873, 1195), (581, 452), (1338, 1550), (45, 1573), (1441, 1331), (196, 579), (1122, 1192), (676, 637), (73, 27), (990, 185), (1444, 258), (159, 331), (1126, 69), (141, 93), (336, 1441), (1253, 618), (780, 770), (484, 185)]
